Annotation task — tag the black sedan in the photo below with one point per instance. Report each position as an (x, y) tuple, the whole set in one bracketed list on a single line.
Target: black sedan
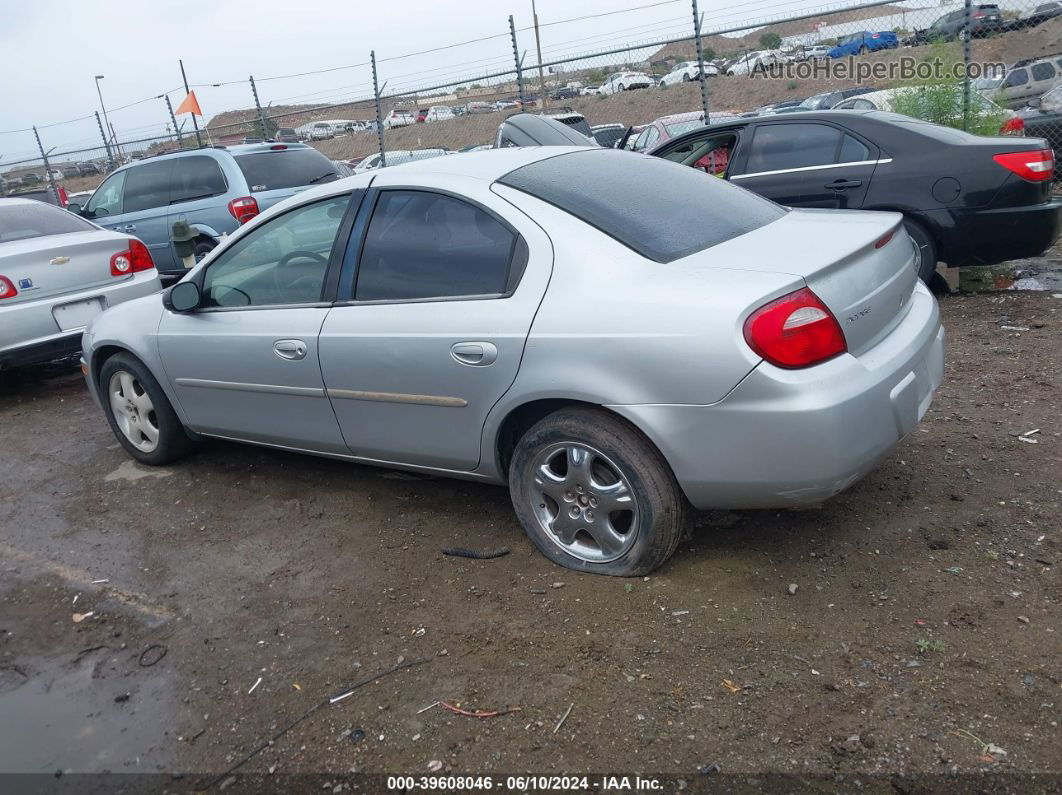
[(966, 200)]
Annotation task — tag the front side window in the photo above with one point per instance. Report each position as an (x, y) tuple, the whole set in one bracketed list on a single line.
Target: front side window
[(147, 186), (107, 200), (779, 147), (196, 177), (284, 261), (426, 245), (1018, 77), (710, 154)]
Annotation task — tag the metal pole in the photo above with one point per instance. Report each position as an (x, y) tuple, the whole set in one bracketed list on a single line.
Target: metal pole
[(169, 107), (966, 64), (107, 121), (700, 63), (184, 77), (261, 113), (106, 143), (379, 114), (114, 141), (538, 47), (516, 60), (47, 168)]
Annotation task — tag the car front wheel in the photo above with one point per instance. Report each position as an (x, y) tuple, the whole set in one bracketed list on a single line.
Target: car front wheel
[(595, 495), (139, 413)]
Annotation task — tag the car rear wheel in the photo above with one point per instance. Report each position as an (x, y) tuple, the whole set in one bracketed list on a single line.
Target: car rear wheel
[(925, 250), (595, 495), (203, 247), (139, 413)]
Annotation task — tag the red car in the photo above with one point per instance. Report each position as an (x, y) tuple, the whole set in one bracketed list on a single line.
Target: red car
[(422, 115)]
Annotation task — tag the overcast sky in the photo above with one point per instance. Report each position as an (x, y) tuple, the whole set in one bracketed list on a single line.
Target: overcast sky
[(51, 50)]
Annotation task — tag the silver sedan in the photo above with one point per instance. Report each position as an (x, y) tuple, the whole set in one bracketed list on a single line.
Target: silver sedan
[(57, 272), (516, 316)]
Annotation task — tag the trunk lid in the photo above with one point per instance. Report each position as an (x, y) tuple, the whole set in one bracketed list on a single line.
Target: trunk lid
[(868, 289), (45, 267)]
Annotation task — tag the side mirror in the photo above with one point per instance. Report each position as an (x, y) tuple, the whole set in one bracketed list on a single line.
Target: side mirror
[(182, 297), (1034, 103), (75, 208)]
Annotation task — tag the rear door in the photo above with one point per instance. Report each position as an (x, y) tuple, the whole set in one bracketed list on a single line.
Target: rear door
[(435, 307), (145, 210), (806, 164), (197, 194)]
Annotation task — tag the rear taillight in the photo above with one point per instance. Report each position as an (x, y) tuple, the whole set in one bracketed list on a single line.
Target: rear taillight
[(1036, 165), (133, 260), (63, 198), (885, 240), (796, 330), (277, 148), (1015, 126), (7, 289), (243, 209)]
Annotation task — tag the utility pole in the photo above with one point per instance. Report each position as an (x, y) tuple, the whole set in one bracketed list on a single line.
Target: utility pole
[(106, 143), (516, 60), (47, 168), (261, 114), (700, 62), (966, 65), (110, 158), (538, 47), (169, 107), (379, 114), (195, 123)]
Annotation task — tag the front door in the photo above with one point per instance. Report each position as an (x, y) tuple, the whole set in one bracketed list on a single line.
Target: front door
[(245, 365), (438, 308), (805, 164)]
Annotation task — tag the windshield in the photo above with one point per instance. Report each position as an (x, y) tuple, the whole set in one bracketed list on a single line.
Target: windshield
[(285, 168)]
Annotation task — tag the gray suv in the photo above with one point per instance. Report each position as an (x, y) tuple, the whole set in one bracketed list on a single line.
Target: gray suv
[(213, 190)]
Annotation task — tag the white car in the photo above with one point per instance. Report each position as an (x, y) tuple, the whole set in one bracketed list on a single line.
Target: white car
[(625, 81), (398, 118), (816, 52), (590, 91), (439, 113), (321, 131), (686, 71), (760, 61), (397, 157), (883, 100)]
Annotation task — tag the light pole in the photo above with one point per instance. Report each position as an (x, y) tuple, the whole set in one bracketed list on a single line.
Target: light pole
[(110, 157)]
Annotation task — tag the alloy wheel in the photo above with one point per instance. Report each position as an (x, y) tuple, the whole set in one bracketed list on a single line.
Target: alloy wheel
[(133, 411)]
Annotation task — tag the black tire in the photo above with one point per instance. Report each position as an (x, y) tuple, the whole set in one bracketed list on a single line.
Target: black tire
[(173, 443), (659, 518), (927, 249), (204, 247), (686, 77)]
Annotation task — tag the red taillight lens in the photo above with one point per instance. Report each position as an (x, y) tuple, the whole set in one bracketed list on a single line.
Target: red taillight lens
[(277, 148), (1015, 126), (796, 330), (1037, 165), (133, 260), (885, 240), (244, 209), (64, 199), (7, 289)]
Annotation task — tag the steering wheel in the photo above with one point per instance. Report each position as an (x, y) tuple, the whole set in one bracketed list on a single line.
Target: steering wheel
[(280, 285)]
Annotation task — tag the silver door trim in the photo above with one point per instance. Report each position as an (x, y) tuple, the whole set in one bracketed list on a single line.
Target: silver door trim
[(239, 386), (398, 397), (880, 162)]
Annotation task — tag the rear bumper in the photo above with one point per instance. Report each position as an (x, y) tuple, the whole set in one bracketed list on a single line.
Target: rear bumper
[(793, 437), (30, 333), (986, 237)]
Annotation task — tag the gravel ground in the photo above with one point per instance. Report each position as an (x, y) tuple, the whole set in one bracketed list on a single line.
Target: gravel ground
[(909, 626)]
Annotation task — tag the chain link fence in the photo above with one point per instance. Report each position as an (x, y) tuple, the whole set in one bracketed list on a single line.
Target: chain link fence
[(987, 68)]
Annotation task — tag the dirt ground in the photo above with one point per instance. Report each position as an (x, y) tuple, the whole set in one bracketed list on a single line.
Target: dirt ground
[(174, 619)]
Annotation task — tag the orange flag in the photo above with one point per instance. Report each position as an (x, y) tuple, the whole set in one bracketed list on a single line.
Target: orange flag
[(189, 105)]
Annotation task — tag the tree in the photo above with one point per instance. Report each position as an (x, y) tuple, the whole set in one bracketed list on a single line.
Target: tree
[(770, 41), (708, 54)]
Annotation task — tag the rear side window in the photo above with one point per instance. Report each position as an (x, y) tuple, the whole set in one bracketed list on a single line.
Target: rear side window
[(852, 151), (20, 221), (1042, 71), (147, 186), (196, 177), (427, 245), (659, 209), (777, 147), (285, 168)]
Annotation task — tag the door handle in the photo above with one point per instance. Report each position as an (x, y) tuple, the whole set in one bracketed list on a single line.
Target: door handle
[(474, 354), (290, 349), (841, 184), (129, 228)]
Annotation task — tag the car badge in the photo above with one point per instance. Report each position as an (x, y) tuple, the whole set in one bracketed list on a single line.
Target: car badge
[(25, 284), (60, 260)]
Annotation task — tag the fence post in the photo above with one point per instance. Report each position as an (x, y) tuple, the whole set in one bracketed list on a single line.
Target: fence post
[(516, 60), (258, 105), (47, 168), (379, 114), (966, 37), (169, 107), (700, 63), (106, 143)]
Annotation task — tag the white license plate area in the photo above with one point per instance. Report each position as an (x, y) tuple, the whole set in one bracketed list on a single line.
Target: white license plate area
[(76, 315)]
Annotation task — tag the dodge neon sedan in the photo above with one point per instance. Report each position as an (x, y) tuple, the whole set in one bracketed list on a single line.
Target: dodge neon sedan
[(511, 316)]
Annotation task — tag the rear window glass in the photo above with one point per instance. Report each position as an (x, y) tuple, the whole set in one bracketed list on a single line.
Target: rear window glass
[(20, 221), (285, 168), (659, 209)]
